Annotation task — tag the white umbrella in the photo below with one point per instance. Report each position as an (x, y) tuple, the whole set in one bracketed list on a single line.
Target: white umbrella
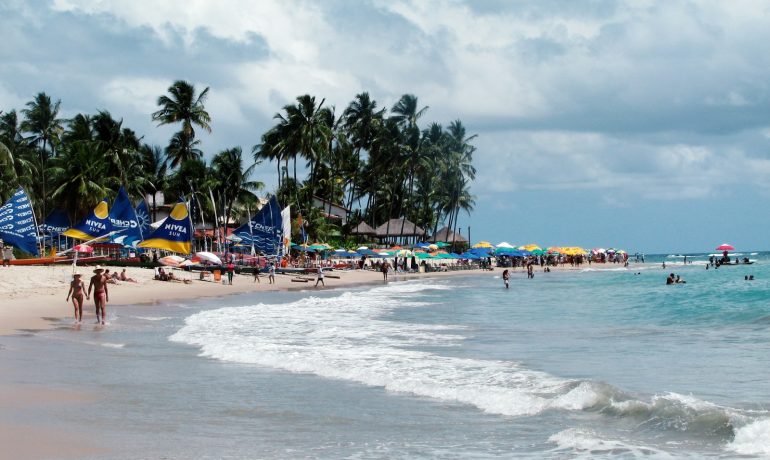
[(504, 244), (186, 263), (209, 257), (362, 248)]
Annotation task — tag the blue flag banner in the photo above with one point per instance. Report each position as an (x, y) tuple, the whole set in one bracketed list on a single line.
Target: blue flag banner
[(95, 225), (56, 223), (264, 230), (17, 223), (175, 234), (124, 220), (143, 215)]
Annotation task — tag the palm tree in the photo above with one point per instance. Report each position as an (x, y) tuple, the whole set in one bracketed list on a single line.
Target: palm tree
[(182, 149), (19, 157), (81, 172), (183, 106), (360, 120), (40, 120), (156, 172), (232, 179)]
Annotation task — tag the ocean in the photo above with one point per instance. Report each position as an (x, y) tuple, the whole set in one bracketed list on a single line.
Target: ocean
[(606, 362)]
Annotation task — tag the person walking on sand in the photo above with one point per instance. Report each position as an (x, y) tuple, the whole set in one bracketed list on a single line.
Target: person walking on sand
[(256, 273), (271, 273), (319, 277), (385, 268), (101, 294), (506, 277), (77, 291), (230, 272), (7, 254)]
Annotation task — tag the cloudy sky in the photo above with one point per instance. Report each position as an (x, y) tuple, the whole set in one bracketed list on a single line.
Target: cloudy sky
[(637, 124)]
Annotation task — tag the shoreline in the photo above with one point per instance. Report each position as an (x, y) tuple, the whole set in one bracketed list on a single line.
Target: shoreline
[(35, 296)]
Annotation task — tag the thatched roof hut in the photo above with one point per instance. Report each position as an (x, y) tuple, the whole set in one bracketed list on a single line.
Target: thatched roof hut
[(363, 229), (393, 227), (448, 236)]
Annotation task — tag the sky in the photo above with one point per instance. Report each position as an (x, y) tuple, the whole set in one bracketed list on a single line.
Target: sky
[(643, 125)]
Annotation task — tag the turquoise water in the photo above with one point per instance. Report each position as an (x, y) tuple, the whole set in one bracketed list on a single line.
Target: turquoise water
[(606, 362)]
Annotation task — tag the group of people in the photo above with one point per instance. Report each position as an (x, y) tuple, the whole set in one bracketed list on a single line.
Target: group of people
[(270, 273), (101, 293), (674, 279)]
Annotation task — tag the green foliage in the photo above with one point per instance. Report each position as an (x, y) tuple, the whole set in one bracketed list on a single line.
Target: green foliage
[(380, 164)]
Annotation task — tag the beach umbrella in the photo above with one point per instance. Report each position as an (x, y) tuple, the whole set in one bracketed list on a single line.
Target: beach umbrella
[(598, 250), (530, 247), (208, 257), (433, 247), (505, 244), (725, 247), (171, 261), (320, 247), (362, 248), (82, 248), (404, 253), (442, 244), (537, 252), (483, 244), (186, 263)]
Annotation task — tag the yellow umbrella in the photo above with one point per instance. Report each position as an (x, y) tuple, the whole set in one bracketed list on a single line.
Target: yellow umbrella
[(531, 247), (483, 244)]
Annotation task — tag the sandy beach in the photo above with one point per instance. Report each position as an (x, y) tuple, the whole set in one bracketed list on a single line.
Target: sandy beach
[(35, 296)]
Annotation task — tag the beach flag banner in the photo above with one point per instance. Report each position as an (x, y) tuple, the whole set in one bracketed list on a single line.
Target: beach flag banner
[(264, 230), (17, 223), (56, 223), (124, 221), (143, 216), (96, 225), (286, 227), (175, 234)]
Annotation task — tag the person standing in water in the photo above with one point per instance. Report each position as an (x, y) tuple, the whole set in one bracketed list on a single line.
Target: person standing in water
[(77, 291), (101, 294), (506, 277)]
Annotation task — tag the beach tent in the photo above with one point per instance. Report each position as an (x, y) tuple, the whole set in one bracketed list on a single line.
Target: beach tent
[(176, 232), (124, 220), (96, 225), (56, 223), (19, 228), (265, 230), (143, 216)]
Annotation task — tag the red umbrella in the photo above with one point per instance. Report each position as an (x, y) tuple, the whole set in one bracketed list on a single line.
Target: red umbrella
[(725, 247), (83, 248)]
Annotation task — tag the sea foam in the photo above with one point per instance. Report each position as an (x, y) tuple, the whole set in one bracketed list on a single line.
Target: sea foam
[(351, 337)]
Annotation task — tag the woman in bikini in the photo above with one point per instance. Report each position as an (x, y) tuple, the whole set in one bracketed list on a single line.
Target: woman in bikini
[(77, 291)]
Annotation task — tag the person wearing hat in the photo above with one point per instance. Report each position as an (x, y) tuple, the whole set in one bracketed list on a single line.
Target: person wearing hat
[(101, 295), (77, 290), (7, 254)]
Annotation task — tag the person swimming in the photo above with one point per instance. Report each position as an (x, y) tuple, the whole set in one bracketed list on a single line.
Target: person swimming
[(671, 279)]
